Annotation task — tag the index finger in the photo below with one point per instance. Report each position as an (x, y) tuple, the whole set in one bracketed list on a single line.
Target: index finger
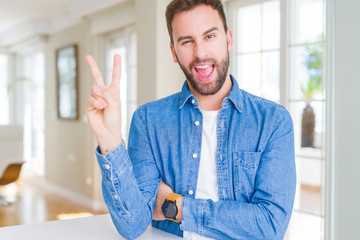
[(94, 69)]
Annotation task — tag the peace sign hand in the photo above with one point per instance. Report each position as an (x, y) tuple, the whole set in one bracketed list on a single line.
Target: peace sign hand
[(103, 108)]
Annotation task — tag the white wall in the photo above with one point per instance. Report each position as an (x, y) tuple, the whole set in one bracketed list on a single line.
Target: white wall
[(347, 120), (158, 75), (69, 160)]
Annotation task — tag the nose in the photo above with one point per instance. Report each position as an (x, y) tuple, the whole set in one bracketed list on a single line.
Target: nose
[(200, 50)]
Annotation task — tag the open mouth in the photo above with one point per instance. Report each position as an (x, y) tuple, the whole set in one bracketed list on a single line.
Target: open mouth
[(204, 72)]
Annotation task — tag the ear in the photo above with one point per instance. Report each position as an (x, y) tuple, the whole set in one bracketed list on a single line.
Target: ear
[(229, 39), (173, 53)]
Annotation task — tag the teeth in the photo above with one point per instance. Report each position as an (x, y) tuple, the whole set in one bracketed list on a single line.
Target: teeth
[(202, 67)]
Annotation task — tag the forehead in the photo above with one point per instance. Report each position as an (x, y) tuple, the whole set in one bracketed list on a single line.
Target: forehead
[(196, 21)]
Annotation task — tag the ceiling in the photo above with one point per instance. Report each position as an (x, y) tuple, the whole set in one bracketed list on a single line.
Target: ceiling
[(16, 12), (44, 16)]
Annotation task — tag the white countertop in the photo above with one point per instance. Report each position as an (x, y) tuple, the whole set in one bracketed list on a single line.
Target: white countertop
[(88, 228)]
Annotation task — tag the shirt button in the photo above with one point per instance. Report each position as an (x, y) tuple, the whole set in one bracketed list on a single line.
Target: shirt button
[(107, 166), (194, 155), (191, 192), (193, 101), (197, 123), (116, 196)]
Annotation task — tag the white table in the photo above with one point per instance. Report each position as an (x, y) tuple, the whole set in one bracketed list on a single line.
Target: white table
[(96, 227)]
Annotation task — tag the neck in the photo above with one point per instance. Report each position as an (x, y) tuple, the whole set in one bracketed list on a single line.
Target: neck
[(213, 102)]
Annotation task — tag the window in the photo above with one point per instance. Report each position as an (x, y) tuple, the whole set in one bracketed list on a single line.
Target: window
[(4, 97), (30, 107), (278, 54), (257, 48), (124, 43)]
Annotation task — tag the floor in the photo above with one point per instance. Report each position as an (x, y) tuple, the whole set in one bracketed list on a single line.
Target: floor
[(31, 204)]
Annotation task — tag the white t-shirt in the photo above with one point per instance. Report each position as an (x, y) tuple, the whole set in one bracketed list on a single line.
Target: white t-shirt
[(207, 186)]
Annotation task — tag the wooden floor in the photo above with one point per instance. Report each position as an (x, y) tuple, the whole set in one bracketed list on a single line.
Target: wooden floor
[(32, 204)]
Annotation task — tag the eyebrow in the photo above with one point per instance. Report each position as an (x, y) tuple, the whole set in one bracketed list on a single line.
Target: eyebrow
[(206, 32)]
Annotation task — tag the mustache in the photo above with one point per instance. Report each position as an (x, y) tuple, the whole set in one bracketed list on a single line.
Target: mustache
[(197, 61)]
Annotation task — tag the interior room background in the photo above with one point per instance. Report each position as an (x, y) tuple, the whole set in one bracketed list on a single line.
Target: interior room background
[(302, 54)]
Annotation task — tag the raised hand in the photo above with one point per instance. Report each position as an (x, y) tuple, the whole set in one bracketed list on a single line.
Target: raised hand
[(103, 108)]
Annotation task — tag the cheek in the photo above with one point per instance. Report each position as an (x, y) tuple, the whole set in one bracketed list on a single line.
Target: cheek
[(185, 57), (221, 52)]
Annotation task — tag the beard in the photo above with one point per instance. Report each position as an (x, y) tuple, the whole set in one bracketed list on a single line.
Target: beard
[(212, 87)]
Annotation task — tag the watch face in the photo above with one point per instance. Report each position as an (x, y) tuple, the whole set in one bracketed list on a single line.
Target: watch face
[(169, 209)]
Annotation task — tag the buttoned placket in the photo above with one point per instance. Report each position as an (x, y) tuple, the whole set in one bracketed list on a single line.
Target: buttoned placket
[(195, 150), (222, 161)]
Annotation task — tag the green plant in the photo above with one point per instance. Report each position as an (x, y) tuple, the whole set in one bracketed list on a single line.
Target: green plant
[(313, 62), (13, 84)]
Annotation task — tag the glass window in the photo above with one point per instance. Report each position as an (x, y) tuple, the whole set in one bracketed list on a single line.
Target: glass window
[(307, 106), (260, 44), (257, 47), (30, 107), (4, 97), (123, 42)]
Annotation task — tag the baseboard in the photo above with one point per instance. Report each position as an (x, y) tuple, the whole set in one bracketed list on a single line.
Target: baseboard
[(95, 205)]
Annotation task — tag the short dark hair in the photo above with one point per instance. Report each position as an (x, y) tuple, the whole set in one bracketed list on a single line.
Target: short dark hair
[(178, 6)]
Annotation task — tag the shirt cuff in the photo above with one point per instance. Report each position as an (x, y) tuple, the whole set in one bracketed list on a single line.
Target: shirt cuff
[(116, 160), (192, 214)]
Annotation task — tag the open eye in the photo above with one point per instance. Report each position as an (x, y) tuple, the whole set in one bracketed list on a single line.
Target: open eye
[(210, 36)]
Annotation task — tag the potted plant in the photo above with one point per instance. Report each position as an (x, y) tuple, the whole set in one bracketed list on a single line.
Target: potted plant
[(313, 63)]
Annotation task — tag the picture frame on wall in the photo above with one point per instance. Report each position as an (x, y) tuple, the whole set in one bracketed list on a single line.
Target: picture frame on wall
[(67, 82)]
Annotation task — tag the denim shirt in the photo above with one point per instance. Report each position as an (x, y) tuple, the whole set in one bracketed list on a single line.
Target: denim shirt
[(255, 168)]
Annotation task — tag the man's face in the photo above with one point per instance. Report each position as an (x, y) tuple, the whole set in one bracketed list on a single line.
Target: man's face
[(201, 47)]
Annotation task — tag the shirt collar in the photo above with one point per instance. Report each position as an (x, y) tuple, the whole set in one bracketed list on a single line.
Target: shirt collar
[(185, 95), (235, 95)]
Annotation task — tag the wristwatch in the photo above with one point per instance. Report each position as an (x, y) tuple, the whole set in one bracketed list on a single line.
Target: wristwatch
[(169, 207)]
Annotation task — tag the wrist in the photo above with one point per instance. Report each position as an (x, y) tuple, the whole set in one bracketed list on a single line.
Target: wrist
[(108, 143), (172, 207)]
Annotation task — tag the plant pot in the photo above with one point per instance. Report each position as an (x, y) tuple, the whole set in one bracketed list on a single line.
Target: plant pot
[(307, 127)]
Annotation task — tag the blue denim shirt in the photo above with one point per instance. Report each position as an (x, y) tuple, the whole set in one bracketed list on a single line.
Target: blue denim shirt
[(254, 158)]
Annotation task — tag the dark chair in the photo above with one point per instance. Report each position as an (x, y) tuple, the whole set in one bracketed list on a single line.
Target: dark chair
[(11, 173), (11, 151)]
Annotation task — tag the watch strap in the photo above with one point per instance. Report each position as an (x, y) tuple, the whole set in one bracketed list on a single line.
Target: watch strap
[(173, 196)]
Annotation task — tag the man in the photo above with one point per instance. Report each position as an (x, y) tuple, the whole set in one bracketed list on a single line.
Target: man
[(210, 161)]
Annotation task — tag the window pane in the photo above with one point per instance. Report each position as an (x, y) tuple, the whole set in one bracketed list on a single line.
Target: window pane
[(249, 66), (306, 72), (249, 28), (308, 21), (271, 25), (4, 99), (270, 87), (124, 43), (297, 111)]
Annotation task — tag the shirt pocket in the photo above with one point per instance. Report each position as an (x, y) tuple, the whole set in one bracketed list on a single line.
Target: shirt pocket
[(245, 168)]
